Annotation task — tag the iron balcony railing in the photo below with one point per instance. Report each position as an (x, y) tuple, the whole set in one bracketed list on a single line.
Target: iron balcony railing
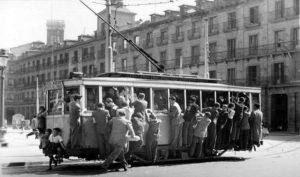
[(194, 33), (213, 29), (160, 41), (148, 43), (284, 14), (178, 37), (252, 21), (253, 51), (123, 50), (230, 26)]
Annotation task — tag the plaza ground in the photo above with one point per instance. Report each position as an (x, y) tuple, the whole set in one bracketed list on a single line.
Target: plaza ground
[(279, 156)]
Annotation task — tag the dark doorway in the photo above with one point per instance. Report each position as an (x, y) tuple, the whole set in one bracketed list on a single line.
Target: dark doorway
[(279, 107)]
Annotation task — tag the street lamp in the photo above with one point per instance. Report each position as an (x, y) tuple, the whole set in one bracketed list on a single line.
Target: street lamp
[(3, 63)]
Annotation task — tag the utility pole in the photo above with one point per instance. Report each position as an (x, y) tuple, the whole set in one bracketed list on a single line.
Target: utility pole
[(206, 50), (109, 54)]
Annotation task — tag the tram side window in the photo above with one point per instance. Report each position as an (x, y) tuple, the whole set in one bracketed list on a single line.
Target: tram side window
[(92, 97), (193, 93), (179, 95), (115, 92), (234, 97), (68, 95), (160, 99), (208, 99), (255, 98), (222, 98), (146, 91), (55, 102)]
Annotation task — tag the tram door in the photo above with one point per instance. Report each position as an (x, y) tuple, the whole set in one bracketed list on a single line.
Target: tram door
[(279, 107)]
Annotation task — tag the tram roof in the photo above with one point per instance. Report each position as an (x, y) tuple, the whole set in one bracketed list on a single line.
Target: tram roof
[(159, 76)]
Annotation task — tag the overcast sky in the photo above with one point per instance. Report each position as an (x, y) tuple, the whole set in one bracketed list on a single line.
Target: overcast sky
[(24, 21)]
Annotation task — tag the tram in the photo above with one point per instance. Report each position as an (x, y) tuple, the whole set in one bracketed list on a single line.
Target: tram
[(157, 87)]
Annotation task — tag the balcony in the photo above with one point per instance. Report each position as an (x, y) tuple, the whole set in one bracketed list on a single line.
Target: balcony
[(254, 51), (191, 61), (101, 54), (178, 37), (123, 50), (283, 15), (213, 29), (160, 41), (194, 34), (230, 26), (148, 43), (252, 22), (75, 60)]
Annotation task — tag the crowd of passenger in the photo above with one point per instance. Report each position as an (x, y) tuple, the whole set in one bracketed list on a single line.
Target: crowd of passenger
[(123, 127)]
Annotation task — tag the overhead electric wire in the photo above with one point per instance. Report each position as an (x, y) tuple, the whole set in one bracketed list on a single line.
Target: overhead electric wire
[(154, 62), (139, 4)]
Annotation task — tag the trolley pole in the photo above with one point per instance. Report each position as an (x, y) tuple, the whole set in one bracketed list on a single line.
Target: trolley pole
[(206, 50), (109, 54)]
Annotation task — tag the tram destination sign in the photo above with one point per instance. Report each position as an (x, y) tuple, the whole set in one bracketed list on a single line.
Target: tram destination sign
[(53, 85)]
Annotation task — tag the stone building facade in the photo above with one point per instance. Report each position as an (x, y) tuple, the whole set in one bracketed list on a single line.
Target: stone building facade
[(251, 43)]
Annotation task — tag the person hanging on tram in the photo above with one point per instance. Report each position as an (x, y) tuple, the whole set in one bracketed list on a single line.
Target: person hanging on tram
[(227, 131), (245, 129), (199, 134), (140, 105), (152, 136), (210, 141), (222, 121), (100, 119), (118, 139), (74, 107), (189, 116), (138, 124), (111, 107), (41, 117), (238, 116), (176, 126)]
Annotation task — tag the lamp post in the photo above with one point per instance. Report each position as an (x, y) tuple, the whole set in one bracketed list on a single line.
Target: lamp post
[(3, 63)]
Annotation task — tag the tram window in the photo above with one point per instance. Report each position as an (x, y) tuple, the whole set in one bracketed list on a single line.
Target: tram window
[(115, 92), (193, 93), (146, 91), (160, 97), (237, 95), (222, 98), (92, 97), (55, 102), (68, 93), (208, 99), (255, 98), (179, 95)]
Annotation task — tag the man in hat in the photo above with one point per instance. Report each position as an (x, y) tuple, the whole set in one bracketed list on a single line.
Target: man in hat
[(75, 108), (189, 115), (176, 125)]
